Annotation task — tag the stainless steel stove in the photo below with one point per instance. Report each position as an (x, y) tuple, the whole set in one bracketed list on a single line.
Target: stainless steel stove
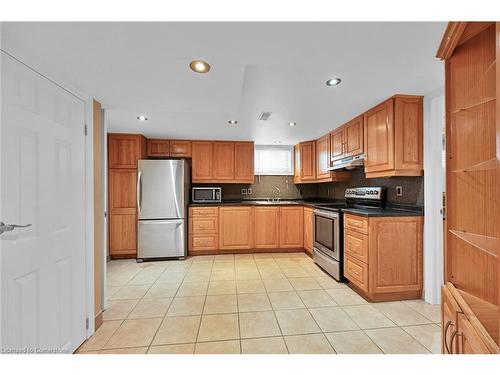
[(328, 226)]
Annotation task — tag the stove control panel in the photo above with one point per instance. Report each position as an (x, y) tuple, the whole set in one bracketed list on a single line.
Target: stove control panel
[(373, 193)]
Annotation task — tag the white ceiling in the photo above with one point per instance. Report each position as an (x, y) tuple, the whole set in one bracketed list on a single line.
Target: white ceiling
[(142, 68)]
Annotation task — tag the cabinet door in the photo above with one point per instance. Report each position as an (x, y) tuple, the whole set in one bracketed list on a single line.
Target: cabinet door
[(323, 157), (244, 162), (158, 148), (296, 169), (266, 227), (308, 161), (202, 161), (122, 191), (395, 254), (449, 311), (122, 235), (408, 134), (224, 161), (179, 148), (236, 230), (467, 339), (379, 137), (337, 144), (291, 227), (353, 137), (308, 229), (125, 149)]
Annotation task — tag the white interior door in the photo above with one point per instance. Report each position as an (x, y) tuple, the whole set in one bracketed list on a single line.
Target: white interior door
[(43, 305)]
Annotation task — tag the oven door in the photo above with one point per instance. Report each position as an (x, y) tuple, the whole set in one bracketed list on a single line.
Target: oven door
[(326, 233)]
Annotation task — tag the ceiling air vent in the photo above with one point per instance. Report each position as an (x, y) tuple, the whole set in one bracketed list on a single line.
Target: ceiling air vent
[(264, 116)]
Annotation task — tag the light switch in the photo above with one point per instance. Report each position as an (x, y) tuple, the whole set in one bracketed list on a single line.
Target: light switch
[(399, 191)]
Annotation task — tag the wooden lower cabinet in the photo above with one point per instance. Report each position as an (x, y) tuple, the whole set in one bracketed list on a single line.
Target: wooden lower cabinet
[(462, 332), (308, 229), (203, 230), (236, 227), (383, 256), (267, 227), (122, 235), (228, 229), (291, 227)]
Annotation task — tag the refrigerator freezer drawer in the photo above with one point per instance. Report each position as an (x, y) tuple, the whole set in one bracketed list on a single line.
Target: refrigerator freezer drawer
[(161, 239)]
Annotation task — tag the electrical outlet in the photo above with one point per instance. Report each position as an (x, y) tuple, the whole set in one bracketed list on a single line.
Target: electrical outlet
[(399, 191), (249, 191), (244, 191)]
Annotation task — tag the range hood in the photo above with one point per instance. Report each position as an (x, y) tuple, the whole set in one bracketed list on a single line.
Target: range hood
[(347, 163)]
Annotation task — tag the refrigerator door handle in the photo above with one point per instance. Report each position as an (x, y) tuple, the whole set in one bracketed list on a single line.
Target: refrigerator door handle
[(139, 191)]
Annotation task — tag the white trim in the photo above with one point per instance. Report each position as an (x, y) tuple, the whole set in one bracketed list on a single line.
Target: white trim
[(89, 214), (433, 190), (105, 203)]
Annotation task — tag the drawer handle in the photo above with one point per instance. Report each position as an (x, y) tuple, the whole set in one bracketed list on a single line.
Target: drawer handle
[(448, 324), (453, 335)]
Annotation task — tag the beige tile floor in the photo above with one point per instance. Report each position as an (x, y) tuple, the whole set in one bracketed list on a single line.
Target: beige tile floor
[(261, 303)]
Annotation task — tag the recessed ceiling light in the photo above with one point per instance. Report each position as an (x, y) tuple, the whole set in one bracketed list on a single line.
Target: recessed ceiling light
[(142, 118), (292, 123), (333, 82), (199, 66), (233, 122), (278, 142)]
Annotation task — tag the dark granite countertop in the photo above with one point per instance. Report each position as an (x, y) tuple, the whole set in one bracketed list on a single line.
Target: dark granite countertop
[(389, 210)]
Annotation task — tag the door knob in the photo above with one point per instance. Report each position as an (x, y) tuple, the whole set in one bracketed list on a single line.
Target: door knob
[(11, 227)]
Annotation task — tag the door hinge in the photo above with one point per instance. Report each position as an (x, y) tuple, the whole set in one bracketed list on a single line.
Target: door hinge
[(87, 323), (85, 129)]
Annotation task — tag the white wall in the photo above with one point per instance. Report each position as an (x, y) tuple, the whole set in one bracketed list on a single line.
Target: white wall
[(434, 112)]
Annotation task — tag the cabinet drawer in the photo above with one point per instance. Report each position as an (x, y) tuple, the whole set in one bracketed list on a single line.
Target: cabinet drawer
[(356, 245), (356, 272), (203, 242), (204, 211), (204, 225), (356, 223)]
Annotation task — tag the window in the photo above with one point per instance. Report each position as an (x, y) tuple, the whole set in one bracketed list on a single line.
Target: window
[(274, 160)]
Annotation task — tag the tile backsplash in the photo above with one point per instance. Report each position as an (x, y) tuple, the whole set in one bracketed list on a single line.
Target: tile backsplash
[(413, 187), (267, 187)]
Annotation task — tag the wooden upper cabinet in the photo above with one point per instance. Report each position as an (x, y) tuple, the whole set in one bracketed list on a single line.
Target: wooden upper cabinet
[(223, 161), (379, 145), (393, 138), (353, 137), (323, 157), (266, 227), (408, 134), (307, 160), (244, 170), (236, 229), (337, 144), (163, 148), (180, 148), (202, 161), (158, 148), (296, 167), (291, 227), (124, 150)]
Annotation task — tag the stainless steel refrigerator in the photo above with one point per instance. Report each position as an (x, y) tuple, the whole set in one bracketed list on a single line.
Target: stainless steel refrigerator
[(162, 198)]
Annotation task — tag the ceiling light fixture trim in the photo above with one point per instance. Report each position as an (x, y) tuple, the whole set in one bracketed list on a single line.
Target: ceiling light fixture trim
[(199, 66), (333, 81)]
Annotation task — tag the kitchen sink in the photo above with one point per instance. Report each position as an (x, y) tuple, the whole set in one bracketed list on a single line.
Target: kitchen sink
[(274, 202)]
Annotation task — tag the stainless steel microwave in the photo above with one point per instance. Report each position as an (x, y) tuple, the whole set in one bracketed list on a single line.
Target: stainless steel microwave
[(206, 194)]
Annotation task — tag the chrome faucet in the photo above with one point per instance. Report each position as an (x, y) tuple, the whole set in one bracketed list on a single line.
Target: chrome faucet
[(277, 189)]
